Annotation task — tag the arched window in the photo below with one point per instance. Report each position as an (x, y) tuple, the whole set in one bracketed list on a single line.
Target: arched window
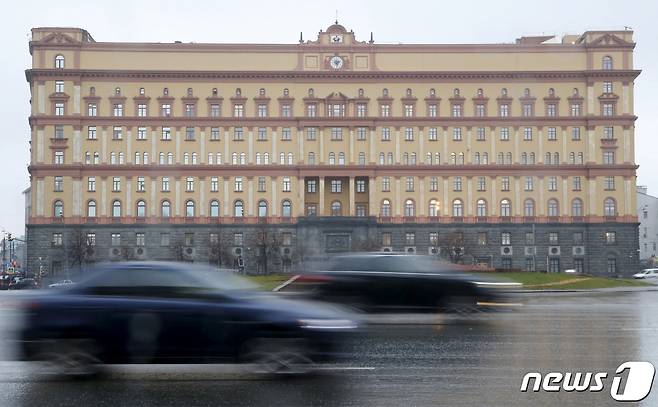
[(432, 92), (290, 158), (116, 209), (162, 159), (145, 161), (405, 158), (413, 159), (311, 92), (572, 158), (336, 209), (266, 158), (389, 158), (362, 158), (476, 159), (435, 208), (258, 159), (508, 158), (385, 92), (461, 159), (282, 158), (332, 158), (286, 209), (531, 160), (243, 158), (428, 159), (262, 209), (481, 207), (485, 158), (409, 208), (480, 92), (341, 158), (194, 158), (609, 207), (238, 209), (141, 209), (505, 207), (606, 62), (311, 158), (553, 207), (437, 158), (457, 208), (170, 158), (455, 91), (165, 209), (382, 159), (529, 207), (186, 158), (261, 91), (59, 61), (113, 158), (551, 92), (503, 92), (524, 158), (556, 158), (214, 208), (577, 207), (526, 92), (547, 158), (234, 158), (138, 157), (122, 158), (210, 157), (58, 209), (386, 208), (91, 209), (189, 208), (87, 157), (453, 158)]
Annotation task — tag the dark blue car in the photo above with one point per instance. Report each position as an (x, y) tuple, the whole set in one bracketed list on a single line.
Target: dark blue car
[(177, 313)]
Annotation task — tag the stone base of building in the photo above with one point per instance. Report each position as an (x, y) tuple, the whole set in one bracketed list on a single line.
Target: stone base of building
[(272, 248)]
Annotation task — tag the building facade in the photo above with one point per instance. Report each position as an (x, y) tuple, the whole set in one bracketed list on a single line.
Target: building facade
[(647, 211), (521, 155)]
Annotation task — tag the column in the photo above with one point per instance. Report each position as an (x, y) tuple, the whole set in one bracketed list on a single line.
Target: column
[(202, 146), (250, 151), (564, 145), (178, 153), (129, 139), (227, 155), (76, 99), (321, 208), (275, 159), (103, 196), (275, 203), (202, 196), (517, 204), (41, 145), (397, 145), (469, 196), (626, 134), (421, 146), (590, 99), (77, 145), (494, 200), (628, 190), (592, 196), (322, 159), (41, 90), (565, 197), (372, 157), (591, 144), (301, 190), (492, 157), (372, 208), (129, 203), (625, 98), (77, 197), (351, 153), (155, 159), (351, 197), (104, 145), (542, 204), (227, 206), (40, 192), (444, 154), (468, 148), (250, 196), (398, 198), (447, 205), (300, 145), (516, 144), (421, 204), (177, 202), (153, 211)]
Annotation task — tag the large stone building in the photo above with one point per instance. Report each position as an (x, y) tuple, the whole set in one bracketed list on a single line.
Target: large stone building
[(522, 154)]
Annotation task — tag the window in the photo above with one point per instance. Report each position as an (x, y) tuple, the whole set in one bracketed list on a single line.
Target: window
[(336, 186), (165, 110), (387, 239), (165, 209), (385, 110), (457, 208), (457, 184), (575, 109), (527, 133), (214, 208), (189, 208), (505, 208), (238, 184), (386, 134), (577, 207), (238, 239), (505, 239), (481, 134), (576, 183), (456, 110), (116, 208), (189, 184), (504, 110), (141, 184), (504, 184), (529, 184), (238, 134), (575, 133), (457, 133), (58, 184), (578, 238), (504, 133), (286, 209), (336, 208), (360, 185), (116, 184), (609, 183), (385, 209), (238, 110), (481, 207), (166, 133), (410, 239), (434, 208), (527, 109), (552, 133), (607, 87), (481, 184), (311, 110), (552, 183), (553, 265), (409, 184), (551, 110), (285, 134), (608, 109), (609, 207), (165, 184), (59, 62), (261, 110), (386, 184), (609, 157), (336, 133), (59, 109), (189, 133), (409, 208), (117, 110), (611, 237), (286, 184), (261, 184), (59, 86), (141, 209), (311, 133), (606, 63), (608, 132), (479, 110), (529, 207), (553, 207)]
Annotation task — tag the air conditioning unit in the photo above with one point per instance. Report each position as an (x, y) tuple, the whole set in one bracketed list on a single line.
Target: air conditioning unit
[(188, 252), (530, 250), (238, 251), (506, 250), (553, 250), (410, 249), (286, 252), (578, 250), (433, 250), (387, 249), (115, 252), (140, 253)]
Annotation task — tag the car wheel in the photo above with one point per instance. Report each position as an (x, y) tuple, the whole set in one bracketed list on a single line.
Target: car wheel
[(277, 356), (74, 358), (458, 304)]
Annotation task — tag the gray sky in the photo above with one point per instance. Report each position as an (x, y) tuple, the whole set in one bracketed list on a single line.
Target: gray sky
[(409, 21)]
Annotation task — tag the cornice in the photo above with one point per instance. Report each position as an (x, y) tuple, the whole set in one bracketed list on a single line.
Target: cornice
[(100, 74)]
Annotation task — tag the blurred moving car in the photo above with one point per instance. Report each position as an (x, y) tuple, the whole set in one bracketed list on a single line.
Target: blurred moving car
[(176, 313), (61, 283), (23, 284), (4, 282), (646, 274), (389, 282)]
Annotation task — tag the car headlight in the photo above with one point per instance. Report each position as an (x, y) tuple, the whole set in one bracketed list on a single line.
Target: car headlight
[(327, 324)]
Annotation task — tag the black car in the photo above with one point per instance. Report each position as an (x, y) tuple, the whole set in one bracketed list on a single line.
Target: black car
[(23, 284), (390, 282), (177, 313)]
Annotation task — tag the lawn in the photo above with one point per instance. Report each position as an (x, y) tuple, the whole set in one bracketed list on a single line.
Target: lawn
[(563, 281), (268, 282)]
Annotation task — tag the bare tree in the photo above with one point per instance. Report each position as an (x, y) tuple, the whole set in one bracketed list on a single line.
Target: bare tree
[(80, 248), (452, 246), (369, 244), (268, 248), (177, 248), (219, 249)]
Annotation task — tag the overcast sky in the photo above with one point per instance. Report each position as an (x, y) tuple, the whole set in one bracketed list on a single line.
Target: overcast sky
[(281, 21)]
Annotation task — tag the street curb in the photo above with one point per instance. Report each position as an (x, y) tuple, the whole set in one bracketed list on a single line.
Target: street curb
[(586, 290)]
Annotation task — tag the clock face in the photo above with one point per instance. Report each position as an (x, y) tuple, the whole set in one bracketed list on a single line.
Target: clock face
[(337, 39), (336, 62)]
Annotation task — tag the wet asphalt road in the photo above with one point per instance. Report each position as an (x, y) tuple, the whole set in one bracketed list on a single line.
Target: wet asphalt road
[(474, 362)]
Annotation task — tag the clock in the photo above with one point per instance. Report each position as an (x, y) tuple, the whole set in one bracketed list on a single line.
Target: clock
[(336, 62), (337, 39)]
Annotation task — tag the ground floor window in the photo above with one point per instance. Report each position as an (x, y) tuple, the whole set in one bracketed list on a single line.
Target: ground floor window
[(612, 266), (579, 265), (530, 264), (507, 263), (553, 265)]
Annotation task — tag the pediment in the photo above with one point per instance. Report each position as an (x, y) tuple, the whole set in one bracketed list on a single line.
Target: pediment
[(609, 39), (58, 38)]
